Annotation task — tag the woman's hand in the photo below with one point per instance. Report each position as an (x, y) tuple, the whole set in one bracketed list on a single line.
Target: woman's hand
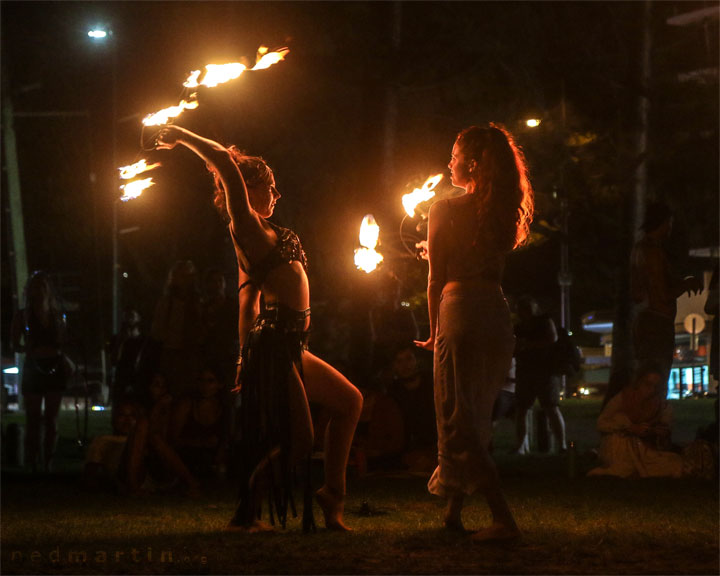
[(429, 344), (167, 138)]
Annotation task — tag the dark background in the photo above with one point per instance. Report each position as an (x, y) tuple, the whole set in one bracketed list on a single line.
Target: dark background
[(364, 108)]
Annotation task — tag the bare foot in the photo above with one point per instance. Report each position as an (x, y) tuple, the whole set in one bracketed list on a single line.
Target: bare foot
[(255, 528), (332, 506), (497, 533)]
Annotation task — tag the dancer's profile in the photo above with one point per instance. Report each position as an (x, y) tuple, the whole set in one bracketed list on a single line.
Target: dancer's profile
[(276, 373), (470, 328)]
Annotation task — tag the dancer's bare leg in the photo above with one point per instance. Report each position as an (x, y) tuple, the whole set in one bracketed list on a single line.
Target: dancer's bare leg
[(453, 512), (326, 386), (503, 526), (50, 416)]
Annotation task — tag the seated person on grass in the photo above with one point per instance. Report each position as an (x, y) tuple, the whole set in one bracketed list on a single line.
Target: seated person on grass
[(635, 428), (151, 460), (200, 427), (105, 453)]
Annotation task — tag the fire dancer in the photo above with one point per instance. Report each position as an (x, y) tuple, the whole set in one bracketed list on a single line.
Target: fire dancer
[(470, 328), (276, 374)]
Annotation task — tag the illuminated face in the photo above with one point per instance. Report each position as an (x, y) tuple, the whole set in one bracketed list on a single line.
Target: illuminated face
[(263, 198), (459, 167)]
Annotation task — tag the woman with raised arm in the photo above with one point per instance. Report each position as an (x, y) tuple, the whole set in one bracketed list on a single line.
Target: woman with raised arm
[(470, 328), (277, 376)]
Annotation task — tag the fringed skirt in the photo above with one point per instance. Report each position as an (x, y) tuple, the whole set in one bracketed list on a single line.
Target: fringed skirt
[(274, 345)]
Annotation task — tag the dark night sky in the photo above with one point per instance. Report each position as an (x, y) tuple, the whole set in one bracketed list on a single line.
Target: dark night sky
[(322, 120)]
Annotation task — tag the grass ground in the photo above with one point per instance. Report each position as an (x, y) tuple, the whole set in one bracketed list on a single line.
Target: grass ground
[(51, 525)]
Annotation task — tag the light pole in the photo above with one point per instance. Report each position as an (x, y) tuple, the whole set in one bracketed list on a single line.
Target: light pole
[(104, 35)]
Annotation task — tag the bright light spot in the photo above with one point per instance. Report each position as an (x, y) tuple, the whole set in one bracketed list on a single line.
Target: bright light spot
[(97, 34), (533, 122), (423, 194), (366, 258), (125, 275), (98, 408), (11, 370), (405, 304), (135, 188), (584, 391)]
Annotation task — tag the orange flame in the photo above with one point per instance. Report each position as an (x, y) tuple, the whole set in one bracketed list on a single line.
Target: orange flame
[(215, 74), (267, 59), (135, 188), (423, 194), (128, 172), (366, 258), (161, 117)]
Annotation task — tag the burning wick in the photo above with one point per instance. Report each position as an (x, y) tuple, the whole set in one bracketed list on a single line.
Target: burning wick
[(134, 189), (215, 74), (412, 199), (128, 172), (366, 258)]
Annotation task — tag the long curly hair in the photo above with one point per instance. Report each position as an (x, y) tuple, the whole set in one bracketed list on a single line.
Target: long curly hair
[(255, 171), (503, 192)]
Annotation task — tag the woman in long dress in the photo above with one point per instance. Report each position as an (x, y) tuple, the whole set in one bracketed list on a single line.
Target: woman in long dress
[(470, 328), (277, 375)]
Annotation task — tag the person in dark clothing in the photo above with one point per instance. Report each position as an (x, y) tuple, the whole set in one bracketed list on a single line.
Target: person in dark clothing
[(535, 335)]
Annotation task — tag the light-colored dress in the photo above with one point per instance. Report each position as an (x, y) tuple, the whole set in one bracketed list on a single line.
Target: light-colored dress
[(625, 455), (473, 352)]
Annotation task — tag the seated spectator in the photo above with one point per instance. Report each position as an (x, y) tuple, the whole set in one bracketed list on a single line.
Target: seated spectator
[(105, 453), (635, 428), (201, 427), (151, 460), (412, 389), (379, 436)]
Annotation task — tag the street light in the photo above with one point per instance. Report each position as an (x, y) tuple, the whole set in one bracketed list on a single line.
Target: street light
[(103, 35)]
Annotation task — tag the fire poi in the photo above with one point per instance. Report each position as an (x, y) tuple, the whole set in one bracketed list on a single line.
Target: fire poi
[(366, 257)]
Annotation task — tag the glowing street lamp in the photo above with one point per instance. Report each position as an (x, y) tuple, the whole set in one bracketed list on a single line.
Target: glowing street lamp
[(533, 122)]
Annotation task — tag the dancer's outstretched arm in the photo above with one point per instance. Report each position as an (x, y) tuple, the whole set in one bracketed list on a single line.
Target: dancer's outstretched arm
[(218, 158)]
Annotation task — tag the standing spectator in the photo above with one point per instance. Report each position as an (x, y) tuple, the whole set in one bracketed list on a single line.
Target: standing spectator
[(535, 336), (38, 330), (218, 338), (176, 327), (655, 289), (125, 348), (470, 325)]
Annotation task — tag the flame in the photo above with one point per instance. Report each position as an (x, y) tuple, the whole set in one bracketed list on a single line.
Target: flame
[(161, 117), (267, 59), (128, 172), (135, 188), (412, 199), (215, 74), (366, 258)]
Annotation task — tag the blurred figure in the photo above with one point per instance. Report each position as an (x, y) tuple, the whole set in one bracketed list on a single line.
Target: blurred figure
[(201, 426), (151, 460), (655, 289), (125, 348), (470, 326), (535, 336), (412, 389), (635, 427), (38, 330), (176, 327), (218, 338), (391, 324), (105, 454)]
